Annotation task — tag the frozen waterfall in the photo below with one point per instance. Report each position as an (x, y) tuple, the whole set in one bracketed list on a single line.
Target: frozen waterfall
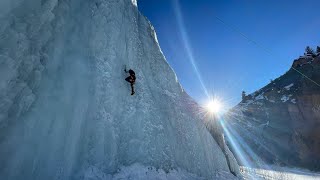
[(66, 111)]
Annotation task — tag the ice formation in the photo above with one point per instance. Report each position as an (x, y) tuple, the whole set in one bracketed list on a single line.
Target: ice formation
[(65, 108)]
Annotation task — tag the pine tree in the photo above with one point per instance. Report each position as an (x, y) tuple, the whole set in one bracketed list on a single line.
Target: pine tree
[(243, 95), (309, 50), (318, 49)]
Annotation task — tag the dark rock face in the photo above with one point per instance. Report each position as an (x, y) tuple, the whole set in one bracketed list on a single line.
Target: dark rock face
[(280, 123)]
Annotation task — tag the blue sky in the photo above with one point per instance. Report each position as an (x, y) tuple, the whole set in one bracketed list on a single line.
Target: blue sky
[(256, 41)]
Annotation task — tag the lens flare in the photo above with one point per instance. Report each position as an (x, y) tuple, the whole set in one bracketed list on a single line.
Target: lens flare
[(214, 106), (187, 44)]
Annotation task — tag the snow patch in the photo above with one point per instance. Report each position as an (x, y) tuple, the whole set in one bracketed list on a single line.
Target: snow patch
[(289, 86), (316, 108), (272, 101), (134, 2), (285, 98), (259, 97), (293, 101), (265, 124), (246, 103)]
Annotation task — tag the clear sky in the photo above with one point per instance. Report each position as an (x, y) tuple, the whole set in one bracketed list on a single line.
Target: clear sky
[(234, 44)]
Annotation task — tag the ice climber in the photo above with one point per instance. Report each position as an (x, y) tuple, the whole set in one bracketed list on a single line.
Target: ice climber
[(131, 79)]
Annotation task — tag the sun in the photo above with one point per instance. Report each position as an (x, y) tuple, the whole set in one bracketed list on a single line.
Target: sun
[(214, 106)]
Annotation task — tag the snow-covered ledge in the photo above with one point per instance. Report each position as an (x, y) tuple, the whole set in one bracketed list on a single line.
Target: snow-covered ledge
[(134, 2)]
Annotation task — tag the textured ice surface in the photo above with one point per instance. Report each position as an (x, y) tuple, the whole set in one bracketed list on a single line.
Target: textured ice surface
[(65, 108)]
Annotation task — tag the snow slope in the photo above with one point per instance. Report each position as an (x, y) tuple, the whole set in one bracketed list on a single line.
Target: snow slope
[(66, 111), (137, 171), (278, 173)]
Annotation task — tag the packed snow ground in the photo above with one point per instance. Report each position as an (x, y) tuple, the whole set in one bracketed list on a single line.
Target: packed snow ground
[(279, 173), (140, 172)]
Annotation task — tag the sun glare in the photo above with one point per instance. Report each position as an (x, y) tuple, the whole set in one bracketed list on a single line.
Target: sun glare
[(214, 106)]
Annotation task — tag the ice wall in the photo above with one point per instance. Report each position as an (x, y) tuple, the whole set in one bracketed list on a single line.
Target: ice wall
[(65, 108)]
